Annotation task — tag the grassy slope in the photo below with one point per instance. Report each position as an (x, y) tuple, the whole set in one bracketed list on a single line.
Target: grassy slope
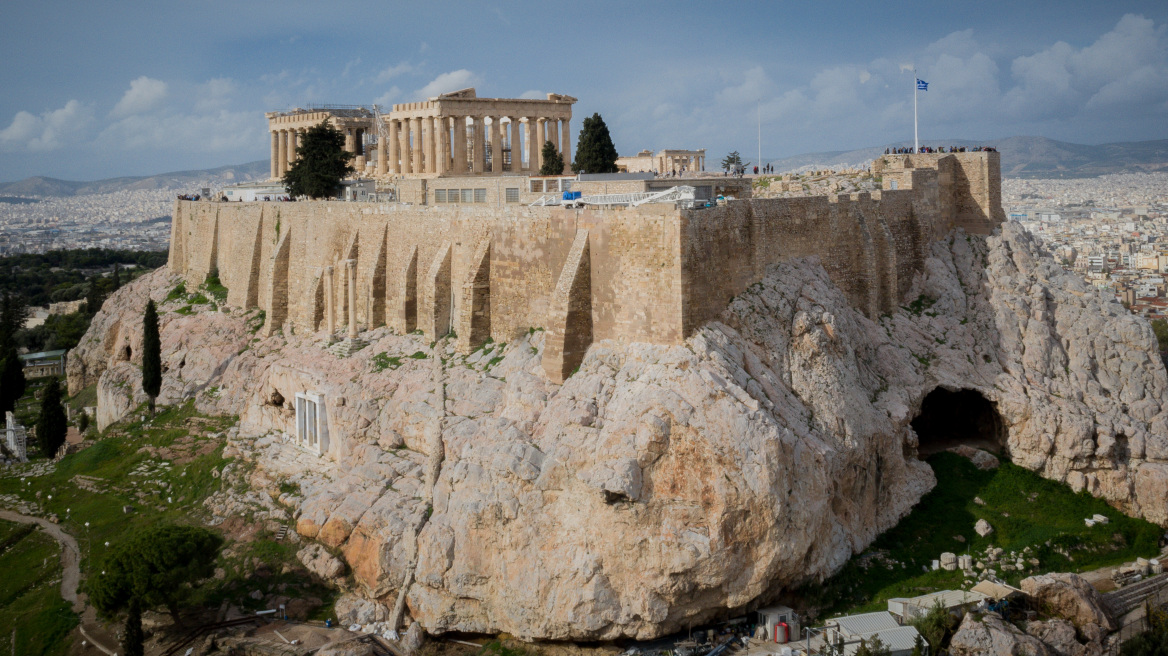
[(1051, 524), (30, 601), (116, 463)]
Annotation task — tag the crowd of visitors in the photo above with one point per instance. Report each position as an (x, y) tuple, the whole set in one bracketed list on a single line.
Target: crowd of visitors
[(941, 149)]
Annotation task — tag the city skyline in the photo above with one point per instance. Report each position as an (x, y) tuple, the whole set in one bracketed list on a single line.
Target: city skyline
[(129, 90)]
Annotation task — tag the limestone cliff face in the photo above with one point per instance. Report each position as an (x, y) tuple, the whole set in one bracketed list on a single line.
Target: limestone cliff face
[(659, 486)]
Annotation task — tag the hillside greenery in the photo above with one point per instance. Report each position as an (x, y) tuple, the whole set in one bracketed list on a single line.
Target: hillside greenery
[(1024, 509)]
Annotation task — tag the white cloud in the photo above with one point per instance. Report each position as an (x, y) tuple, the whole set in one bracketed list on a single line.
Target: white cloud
[(394, 71), (221, 131), (533, 94), (143, 95), (48, 131), (387, 99), (447, 82), (215, 94)]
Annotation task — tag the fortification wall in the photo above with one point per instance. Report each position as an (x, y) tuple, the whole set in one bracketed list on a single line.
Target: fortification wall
[(652, 273)]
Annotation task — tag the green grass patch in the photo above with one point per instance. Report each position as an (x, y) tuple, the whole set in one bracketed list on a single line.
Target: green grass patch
[(30, 599), (921, 304), (1024, 509), (86, 398), (214, 287), (199, 299), (185, 310), (383, 361), (179, 292), (418, 355)]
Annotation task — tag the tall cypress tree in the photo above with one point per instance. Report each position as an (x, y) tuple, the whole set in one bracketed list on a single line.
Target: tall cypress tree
[(51, 424), (151, 355), (132, 637), (595, 152), (117, 278), (11, 379)]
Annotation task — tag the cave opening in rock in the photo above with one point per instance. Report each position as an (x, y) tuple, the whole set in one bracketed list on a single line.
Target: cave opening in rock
[(948, 419)]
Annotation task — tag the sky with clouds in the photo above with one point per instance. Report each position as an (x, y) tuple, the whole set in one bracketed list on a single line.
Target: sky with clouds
[(101, 89)]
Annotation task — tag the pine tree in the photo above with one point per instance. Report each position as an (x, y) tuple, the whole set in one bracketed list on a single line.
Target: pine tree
[(11, 379), (595, 152), (117, 278), (151, 355), (321, 163), (96, 294), (51, 424), (553, 162), (732, 161), (132, 637), (13, 312), (918, 646), (83, 421)]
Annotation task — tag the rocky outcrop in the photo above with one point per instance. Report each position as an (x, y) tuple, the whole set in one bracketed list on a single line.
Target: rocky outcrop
[(320, 562), (1069, 597), (661, 486), (990, 635)]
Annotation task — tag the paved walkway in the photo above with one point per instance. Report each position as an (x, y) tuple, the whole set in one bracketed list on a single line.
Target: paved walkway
[(70, 564)]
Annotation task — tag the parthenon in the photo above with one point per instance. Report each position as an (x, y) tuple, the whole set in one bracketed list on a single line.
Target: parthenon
[(455, 133)]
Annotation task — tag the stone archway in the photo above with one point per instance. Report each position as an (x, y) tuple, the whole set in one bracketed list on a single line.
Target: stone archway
[(950, 418)]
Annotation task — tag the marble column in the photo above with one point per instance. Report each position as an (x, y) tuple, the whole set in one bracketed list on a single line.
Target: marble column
[(516, 152), (330, 301), (442, 127), (406, 167), (540, 139), (532, 149), (566, 144), (477, 154), (275, 154), (416, 155), (382, 153), (394, 149), (460, 144), (427, 132), (293, 141), (283, 151), (350, 141), (352, 267), (496, 146)]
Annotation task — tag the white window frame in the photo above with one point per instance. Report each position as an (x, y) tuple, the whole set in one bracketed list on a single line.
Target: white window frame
[(312, 422)]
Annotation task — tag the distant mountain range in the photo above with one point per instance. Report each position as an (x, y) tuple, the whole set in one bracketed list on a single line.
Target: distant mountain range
[(1022, 157), (185, 180)]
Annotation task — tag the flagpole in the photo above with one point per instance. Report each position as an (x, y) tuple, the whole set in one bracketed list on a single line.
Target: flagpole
[(916, 88), (760, 134)]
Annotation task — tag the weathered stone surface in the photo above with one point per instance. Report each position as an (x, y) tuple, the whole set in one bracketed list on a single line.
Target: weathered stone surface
[(1061, 636), (412, 641), (352, 609), (319, 561), (661, 486), (1070, 597), (992, 636)]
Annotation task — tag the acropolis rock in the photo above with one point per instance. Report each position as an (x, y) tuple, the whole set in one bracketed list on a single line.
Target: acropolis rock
[(664, 484)]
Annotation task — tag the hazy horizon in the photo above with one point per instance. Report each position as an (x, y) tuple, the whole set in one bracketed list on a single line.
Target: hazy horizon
[(128, 89)]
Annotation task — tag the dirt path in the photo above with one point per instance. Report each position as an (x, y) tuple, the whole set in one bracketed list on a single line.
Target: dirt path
[(70, 556), (70, 564)]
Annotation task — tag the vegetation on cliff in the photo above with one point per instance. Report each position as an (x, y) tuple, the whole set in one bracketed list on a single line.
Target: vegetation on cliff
[(1026, 511)]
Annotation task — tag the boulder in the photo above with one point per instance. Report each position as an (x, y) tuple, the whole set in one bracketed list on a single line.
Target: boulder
[(983, 528), (1061, 636), (353, 609), (320, 562), (1070, 597), (412, 641), (991, 636)]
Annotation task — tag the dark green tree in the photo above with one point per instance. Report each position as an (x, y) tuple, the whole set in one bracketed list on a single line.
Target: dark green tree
[(595, 152), (732, 161), (918, 646), (132, 636), (98, 291), (11, 379), (936, 626), (158, 567), (51, 423), (321, 163), (116, 278), (151, 355), (553, 162), (83, 421), (13, 312), (873, 647)]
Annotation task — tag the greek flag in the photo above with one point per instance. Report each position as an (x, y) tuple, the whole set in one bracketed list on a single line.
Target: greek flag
[(922, 85)]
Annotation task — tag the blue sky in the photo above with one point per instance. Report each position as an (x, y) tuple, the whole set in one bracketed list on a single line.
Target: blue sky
[(100, 89)]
